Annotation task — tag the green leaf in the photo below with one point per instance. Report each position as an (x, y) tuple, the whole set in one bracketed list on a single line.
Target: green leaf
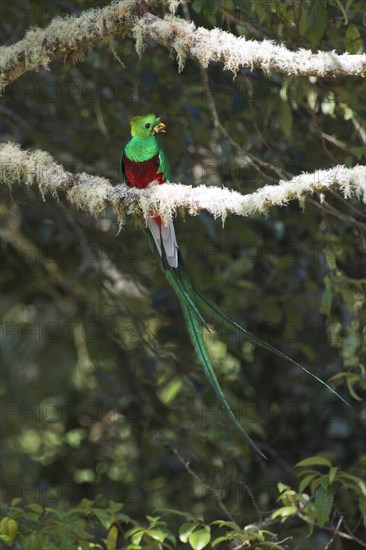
[(112, 538), (327, 300), (332, 473), (362, 508), (136, 537), (157, 534), (317, 21), (31, 542), (306, 481), (285, 116), (281, 487), (153, 519), (124, 518), (8, 530), (323, 503), (357, 152), (115, 506), (104, 517), (253, 533), (15, 501), (353, 40), (348, 113), (222, 523), (171, 537), (185, 530), (224, 538), (134, 530), (170, 391), (324, 481), (12, 528), (4, 526), (37, 508), (284, 512), (6, 540), (354, 480), (200, 537), (287, 495), (314, 461)]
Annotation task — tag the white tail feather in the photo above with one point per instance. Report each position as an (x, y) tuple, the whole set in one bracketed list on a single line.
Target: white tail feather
[(166, 237)]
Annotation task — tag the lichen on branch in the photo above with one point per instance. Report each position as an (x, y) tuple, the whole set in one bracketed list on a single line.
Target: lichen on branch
[(235, 52), (94, 194), (73, 35)]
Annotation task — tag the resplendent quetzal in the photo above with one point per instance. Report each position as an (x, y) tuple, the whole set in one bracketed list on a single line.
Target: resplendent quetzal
[(144, 161)]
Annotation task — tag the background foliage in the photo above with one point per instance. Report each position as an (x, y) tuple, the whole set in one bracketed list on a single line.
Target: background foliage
[(103, 402)]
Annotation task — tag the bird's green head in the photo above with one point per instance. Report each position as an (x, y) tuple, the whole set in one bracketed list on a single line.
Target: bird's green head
[(146, 126)]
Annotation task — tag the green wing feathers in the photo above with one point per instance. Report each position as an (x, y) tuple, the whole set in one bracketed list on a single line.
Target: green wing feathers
[(164, 166)]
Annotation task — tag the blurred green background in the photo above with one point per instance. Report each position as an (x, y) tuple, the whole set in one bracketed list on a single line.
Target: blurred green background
[(101, 391)]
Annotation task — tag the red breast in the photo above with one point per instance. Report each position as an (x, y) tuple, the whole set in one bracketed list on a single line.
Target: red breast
[(140, 174)]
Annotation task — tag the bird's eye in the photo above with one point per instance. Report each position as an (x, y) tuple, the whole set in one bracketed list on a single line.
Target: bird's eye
[(147, 125)]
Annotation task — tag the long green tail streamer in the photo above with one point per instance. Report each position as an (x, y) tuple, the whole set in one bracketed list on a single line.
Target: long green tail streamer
[(195, 334), (194, 303), (208, 306)]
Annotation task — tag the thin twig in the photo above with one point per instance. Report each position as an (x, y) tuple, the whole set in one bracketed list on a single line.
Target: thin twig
[(326, 207), (251, 159), (326, 547), (359, 129), (329, 528), (196, 477)]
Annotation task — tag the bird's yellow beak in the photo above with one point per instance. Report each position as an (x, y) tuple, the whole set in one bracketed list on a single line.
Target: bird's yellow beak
[(160, 127)]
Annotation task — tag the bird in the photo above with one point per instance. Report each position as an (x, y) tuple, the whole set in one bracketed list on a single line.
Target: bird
[(144, 162)]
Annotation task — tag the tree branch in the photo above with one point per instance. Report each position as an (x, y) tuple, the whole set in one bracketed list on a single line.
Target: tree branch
[(235, 52), (70, 36), (94, 194), (73, 35)]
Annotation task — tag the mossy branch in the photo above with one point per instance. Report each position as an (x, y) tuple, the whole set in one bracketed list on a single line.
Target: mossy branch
[(94, 194), (235, 52), (71, 36)]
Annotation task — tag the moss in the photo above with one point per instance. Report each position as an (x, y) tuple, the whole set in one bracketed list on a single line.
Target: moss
[(94, 194), (236, 52), (174, 4), (73, 35), (138, 34), (64, 36)]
